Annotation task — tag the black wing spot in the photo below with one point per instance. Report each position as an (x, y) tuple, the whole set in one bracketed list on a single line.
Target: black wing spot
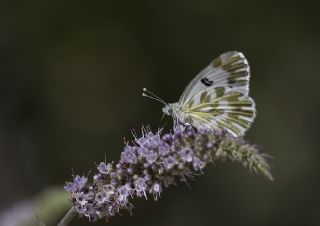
[(206, 82)]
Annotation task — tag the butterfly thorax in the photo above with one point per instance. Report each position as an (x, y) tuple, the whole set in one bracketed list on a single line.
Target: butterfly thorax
[(175, 110)]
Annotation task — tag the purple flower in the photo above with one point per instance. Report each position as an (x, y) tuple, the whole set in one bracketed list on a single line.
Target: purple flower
[(186, 154), (81, 198), (151, 157), (129, 155), (77, 184), (69, 187), (155, 190), (168, 138), (101, 197), (105, 168), (142, 151), (140, 187), (198, 164), (164, 149), (142, 141), (209, 145), (169, 162), (80, 182), (124, 192), (153, 162), (88, 211)]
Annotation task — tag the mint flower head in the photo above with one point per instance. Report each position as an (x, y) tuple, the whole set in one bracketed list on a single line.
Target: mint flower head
[(152, 162)]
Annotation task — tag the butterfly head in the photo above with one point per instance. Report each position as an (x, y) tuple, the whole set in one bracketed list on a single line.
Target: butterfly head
[(168, 109)]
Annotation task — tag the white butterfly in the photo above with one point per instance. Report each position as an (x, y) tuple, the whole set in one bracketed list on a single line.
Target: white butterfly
[(217, 98)]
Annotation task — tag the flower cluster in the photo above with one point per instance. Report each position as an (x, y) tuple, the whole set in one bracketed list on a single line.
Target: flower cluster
[(154, 161)]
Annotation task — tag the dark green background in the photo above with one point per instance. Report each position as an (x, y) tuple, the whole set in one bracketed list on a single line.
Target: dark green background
[(71, 75)]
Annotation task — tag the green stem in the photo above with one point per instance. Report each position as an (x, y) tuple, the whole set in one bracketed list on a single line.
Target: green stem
[(68, 217)]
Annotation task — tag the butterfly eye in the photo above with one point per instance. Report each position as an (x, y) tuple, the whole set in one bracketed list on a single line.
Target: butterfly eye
[(167, 110)]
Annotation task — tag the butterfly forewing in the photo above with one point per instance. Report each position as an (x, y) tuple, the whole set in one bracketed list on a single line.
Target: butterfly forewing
[(221, 108), (229, 70)]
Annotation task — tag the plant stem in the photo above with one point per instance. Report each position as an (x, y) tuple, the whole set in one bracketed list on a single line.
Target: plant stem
[(68, 217)]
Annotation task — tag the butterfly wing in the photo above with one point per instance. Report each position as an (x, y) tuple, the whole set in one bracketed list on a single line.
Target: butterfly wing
[(221, 108), (230, 69)]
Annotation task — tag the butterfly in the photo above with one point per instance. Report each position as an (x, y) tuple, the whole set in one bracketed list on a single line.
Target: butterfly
[(217, 98)]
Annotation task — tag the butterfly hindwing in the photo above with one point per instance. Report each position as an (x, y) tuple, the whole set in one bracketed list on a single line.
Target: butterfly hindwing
[(230, 70), (221, 108)]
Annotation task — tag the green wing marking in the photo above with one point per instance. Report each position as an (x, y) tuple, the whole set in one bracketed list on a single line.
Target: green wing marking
[(232, 111)]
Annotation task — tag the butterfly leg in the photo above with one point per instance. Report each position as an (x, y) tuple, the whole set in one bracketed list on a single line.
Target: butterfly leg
[(176, 122), (183, 126), (189, 127), (177, 125)]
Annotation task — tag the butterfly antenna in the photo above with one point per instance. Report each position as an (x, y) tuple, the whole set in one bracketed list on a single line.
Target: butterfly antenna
[(145, 95), (151, 95)]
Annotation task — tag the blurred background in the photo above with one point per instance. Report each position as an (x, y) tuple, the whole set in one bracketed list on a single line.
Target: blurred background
[(71, 76)]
